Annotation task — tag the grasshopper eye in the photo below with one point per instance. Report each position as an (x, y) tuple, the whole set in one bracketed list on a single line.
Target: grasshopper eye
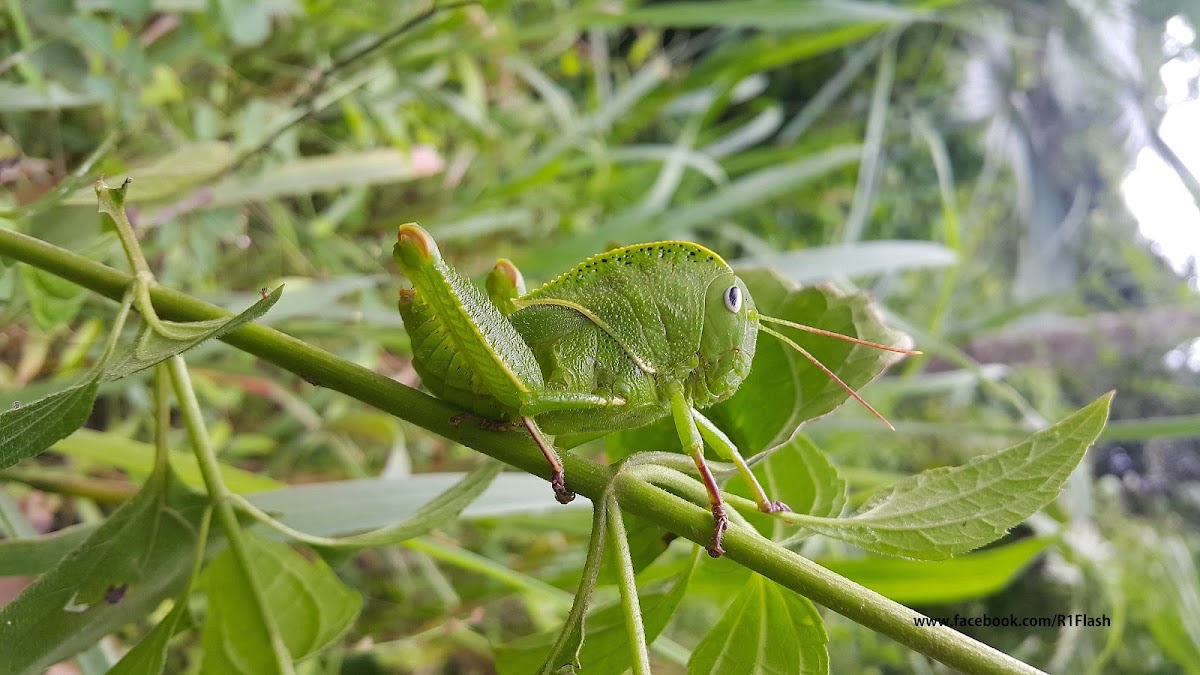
[(733, 299)]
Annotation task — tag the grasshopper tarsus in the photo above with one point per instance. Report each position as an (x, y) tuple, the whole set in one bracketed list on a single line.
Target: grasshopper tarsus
[(775, 507), (721, 523), (485, 423), (561, 493)]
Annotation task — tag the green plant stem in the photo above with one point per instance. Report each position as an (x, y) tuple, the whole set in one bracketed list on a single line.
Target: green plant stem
[(137, 260), (69, 483), (25, 38), (628, 587), (575, 624), (583, 476), (162, 417), (486, 567), (219, 495), (175, 370)]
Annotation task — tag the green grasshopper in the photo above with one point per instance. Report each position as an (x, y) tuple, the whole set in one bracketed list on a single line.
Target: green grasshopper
[(625, 338)]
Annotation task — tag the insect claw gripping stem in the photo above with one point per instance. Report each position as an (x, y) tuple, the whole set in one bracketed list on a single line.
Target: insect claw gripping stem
[(484, 422), (720, 524), (775, 507), (558, 481)]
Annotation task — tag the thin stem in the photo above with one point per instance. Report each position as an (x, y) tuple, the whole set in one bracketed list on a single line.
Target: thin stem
[(25, 38), (587, 477), (70, 483), (201, 545), (162, 417), (573, 629), (111, 207), (114, 335), (628, 587), (680, 483), (247, 507), (219, 495), (483, 566)]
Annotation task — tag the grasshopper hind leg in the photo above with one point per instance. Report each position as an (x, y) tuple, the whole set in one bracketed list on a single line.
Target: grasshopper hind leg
[(557, 476)]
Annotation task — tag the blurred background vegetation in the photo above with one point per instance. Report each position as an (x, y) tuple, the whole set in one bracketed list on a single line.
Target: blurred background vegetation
[(960, 160)]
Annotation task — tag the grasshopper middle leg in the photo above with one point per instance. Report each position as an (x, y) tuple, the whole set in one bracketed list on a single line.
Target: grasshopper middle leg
[(689, 435), (719, 442)]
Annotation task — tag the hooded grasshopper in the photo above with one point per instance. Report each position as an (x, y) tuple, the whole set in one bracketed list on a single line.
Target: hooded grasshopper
[(625, 338)]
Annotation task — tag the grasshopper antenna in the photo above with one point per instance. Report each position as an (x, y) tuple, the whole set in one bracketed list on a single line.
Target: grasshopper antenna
[(845, 338), (816, 362)]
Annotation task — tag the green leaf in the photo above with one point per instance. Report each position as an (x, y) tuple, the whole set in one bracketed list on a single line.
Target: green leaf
[(326, 173), (153, 347), (30, 556), (170, 176), (767, 629), (338, 508), (946, 511), (27, 97), (766, 15), (145, 547), (606, 648), (28, 430), (800, 475), (149, 655), (53, 300), (137, 458), (311, 606), (921, 582)]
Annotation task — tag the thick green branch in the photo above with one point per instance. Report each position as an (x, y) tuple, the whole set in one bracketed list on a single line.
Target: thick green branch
[(583, 476)]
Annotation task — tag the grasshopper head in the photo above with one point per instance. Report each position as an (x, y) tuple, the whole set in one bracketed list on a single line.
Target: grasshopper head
[(729, 336), (731, 327)]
